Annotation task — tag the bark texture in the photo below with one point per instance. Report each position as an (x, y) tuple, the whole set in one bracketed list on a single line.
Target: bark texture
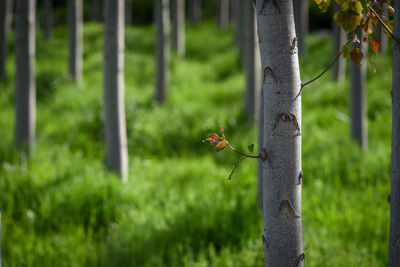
[(25, 91), (128, 12), (114, 103), (223, 16), (394, 240), (339, 38), (357, 100), (162, 48), (301, 22), (282, 174), (260, 146), (47, 18), (5, 21), (252, 63), (178, 27), (75, 38)]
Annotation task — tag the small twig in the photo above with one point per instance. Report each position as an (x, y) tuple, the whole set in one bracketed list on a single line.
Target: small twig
[(383, 24), (239, 152), (235, 165)]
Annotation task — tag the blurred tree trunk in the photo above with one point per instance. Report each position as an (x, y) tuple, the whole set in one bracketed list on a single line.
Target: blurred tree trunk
[(9, 14), (178, 17), (162, 48), (357, 101), (239, 29), (232, 10), (195, 11), (5, 22), (128, 12), (339, 37), (394, 240), (75, 38), (25, 91), (223, 17), (115, 122), (301, 22), (95, 10), (252, 62), (383, 39), (282, 175), (47, 18)]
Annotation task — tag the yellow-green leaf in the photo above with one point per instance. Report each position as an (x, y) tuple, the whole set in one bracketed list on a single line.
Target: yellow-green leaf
[(323, 4), (347, 19)]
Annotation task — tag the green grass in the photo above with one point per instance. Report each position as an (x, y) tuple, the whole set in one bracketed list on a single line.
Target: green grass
[(62, 208)]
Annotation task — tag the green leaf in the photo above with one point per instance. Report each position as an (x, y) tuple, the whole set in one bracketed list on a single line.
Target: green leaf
[(347, 19), (251, 147)]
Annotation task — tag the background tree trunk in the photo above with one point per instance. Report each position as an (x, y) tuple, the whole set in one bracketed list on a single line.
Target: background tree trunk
[(195, 11), (357, 100), (5, 22), (383, 39), (162, 49), (394, 240), (25, 91), (128, 12), (339, 38), (115, 123), (75, 38), (178, 16), (47, 18), (282, 237), (239, 29), (252, 59), (95, 10), (223, 16), (301, 22)]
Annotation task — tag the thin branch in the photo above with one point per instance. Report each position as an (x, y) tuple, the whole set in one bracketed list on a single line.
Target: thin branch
[(239, 152), (383, 24), (235, 165)]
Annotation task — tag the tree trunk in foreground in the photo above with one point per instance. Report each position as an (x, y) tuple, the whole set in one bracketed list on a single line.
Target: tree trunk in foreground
[(339, 38), (115, 123), (301, 23), (282, 174), (357, 100), (162, 48), (25, 91), (47, 18), (178, 8), (394, 240), (75, 38), (223, 16), (5, 14)]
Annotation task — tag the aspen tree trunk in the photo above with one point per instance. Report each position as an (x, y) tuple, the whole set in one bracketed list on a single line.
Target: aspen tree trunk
[(178, 10), (9, 15), (223, 17), (25, 91), (339, 38), (195, 11), (260, 146), (5, 14), (251, 56), (239, 28), (394, 240), (47, 18), (301, 22), (232, 10), (162, 49), (75, 38), (383, 39), (115, 123), (282, 174), (95, 10), (357, 100), (128, 12)]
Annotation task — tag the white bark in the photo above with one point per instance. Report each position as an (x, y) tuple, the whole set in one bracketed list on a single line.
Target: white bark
[(5, 21), (128, 12), (162, 49), (25, 91), (178, 27), (282, 173), (223, 16), (357, 100), (301, 22), (75, 38), (47, 18), (115, 122), (394, 240), (339, 38)]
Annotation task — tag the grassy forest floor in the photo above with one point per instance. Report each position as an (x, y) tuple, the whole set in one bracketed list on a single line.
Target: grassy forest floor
[(62, 208)]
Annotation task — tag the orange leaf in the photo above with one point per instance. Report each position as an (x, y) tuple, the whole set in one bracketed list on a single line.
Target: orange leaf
[(212, 139), (220, 146), (374, 44), (356, 56)]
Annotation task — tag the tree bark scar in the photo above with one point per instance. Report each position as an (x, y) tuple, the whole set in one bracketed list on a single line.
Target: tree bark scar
[(292, 48), (301, 258), (269, 7), (286, 210), (300, 177), (269, 76), (265, 242), (396, 242), (286, 125)]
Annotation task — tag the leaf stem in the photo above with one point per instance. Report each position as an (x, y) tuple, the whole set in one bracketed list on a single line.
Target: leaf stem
[(235, 165), (239, 152), (383, 24)]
